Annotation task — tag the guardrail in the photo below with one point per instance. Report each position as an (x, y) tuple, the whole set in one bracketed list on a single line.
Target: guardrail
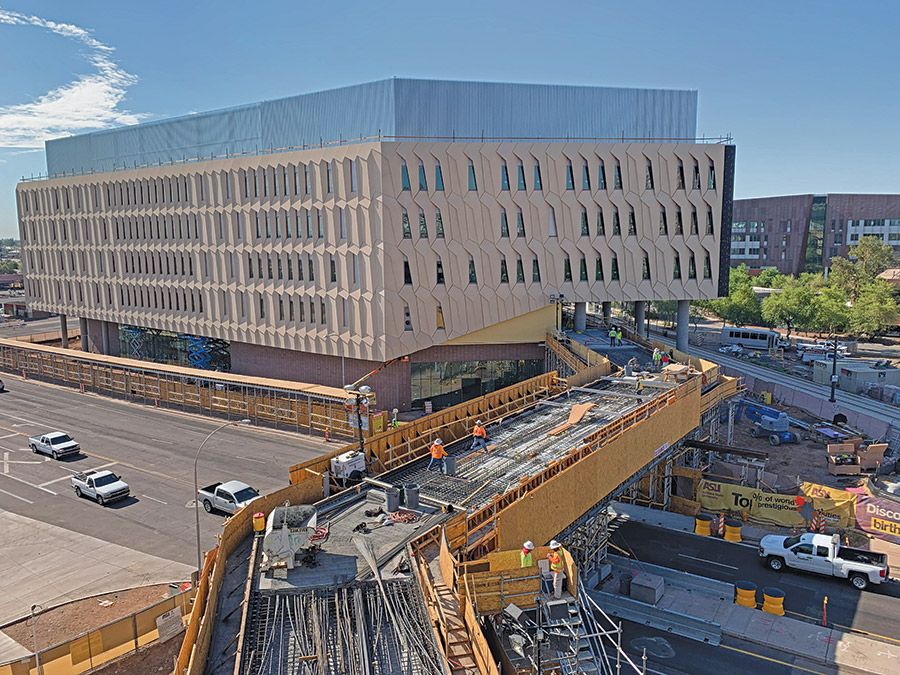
[(675, 578)]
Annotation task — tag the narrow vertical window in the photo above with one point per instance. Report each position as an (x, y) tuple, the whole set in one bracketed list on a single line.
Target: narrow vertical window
[(679, 176), (423, 182), (440, 318), (707, 267), (676, 268), (290, 269), (598, 269), (520, 271), (632, 225), (301, 305), (504, 176), (696, 180), (269, 265), (648, 176), (407, 233), (343, 223), (353, 175), (709, 222), (617, 227), (601, 226), (438, 224), (645, 268), (255, 183), (319, 220), (312, 271), (268, 226), (291, 310), (329, 177), (694, 226), (404, 176), (473, 275), (570, 177), (551, 224), (504, 224), (439, 271), (567, 269), (297, 182), (504, 273), (585, 177), (407, 273), (333, 265), (521, 172), (692, 268), (423, 226), (584, 223), (438, 177), (473, 184), (617, 177), (322, 310), (582, 269), (711, 173), (258, 230), (663, 222), (538, 185), (280, 309), (601, 177), (249, 266), (299, 268), (679, 224), (355, 268), (535, 270), (520, 223), (280, 272), (614, 270), (307, 182), (262, 305)]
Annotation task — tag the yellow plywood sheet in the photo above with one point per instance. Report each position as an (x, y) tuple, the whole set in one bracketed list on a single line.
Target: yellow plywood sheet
[(576, 414), (531, 327)]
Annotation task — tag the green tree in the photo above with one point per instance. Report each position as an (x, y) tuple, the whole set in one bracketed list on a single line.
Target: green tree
[(789, 308), (768, 278), (741, 306), (830, 313), (875, 309), (866, 261), (9, 267)]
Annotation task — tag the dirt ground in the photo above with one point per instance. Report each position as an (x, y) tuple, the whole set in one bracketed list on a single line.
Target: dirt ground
[(154, 659), (71, 620)]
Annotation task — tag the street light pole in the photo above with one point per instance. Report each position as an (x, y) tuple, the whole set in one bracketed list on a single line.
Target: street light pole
[(197, 487), (37, 654)]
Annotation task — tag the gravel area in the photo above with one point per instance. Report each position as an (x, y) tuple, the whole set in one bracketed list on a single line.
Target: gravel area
[(154, 659)]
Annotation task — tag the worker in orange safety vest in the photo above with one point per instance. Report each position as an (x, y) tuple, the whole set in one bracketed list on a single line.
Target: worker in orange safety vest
[(478, 437), (437, 455), (556, 568)]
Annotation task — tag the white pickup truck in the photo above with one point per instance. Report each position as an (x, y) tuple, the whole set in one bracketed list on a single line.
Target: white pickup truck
[(54, 443), (228, 497), (102, 486), (822, 554)]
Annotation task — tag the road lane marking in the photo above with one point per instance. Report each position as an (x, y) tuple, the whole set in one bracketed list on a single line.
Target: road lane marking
[(73, 472), (769, 658), (36, 487), (7, 461), (704, 560), (9, 435), (28, 501), (250, 459), (159, 440), (155, 499)]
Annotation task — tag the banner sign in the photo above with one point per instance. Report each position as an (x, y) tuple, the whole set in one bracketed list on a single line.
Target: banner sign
[(878, 517), (788, 510)]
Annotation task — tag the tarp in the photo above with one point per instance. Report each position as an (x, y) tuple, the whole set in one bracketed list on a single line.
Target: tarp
[(789, 510), (879, 517)]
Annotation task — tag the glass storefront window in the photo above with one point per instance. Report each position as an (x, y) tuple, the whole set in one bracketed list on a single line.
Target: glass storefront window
[(449, 383), (160, 346)]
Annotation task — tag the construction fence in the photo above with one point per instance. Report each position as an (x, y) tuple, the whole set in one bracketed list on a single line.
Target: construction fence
[(293, 406), (101, 645)]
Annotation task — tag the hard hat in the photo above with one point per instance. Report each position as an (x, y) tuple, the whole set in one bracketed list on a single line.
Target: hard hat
[(554, 544), (477, 421), (528, 544), (438, 441)]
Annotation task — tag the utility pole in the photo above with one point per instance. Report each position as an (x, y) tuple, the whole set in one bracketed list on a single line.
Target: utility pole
[(834, 377)]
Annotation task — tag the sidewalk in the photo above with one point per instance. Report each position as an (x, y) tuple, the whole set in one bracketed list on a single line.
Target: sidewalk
[(47, 565)]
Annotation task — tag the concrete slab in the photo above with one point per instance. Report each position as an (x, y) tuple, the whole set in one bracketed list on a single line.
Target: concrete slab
[(855, 651), (48, 565), (11, 650), (796, 636), (737, 622)]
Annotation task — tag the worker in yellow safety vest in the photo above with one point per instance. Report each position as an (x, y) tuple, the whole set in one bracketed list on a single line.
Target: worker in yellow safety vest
[(478, 437), (437, 455), (556, 568), (525, 557)]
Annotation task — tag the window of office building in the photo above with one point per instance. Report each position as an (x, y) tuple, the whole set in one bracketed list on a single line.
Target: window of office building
[(439, 271), (520, 223), (679, 176), (567, 269), (538, 185), (448, 383), (582, 269), (535, 270), (679, 225), (617, 176), (585, 177), (614, 270), (504, 176), (504, 273), (504, 225), (692, 268), (551, 224), (438, 177), (601, 227), (407, 233), (438, 224), (473, 183), (617, 227), (353, 175), (570, 177), (521, 176), (601, 176), (711, 176), (709, 221), (440, 318), (696, 179), (632, 225), (598, 268), (676, 268), (160, 346), (584, 223), (423, 182), (663, 222), (707, 267), (404, 176), (473, 276), (423, 226), (648, 176), (645, 267)]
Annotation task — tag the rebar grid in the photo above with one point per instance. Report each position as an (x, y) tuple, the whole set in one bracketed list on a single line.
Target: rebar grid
[(354, 629)]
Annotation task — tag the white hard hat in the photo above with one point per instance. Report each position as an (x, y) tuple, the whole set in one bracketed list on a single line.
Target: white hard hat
[(528, 544), (438, 441), (477, 421), (554, 544)]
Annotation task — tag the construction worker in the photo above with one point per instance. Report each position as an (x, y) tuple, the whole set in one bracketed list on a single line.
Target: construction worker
[(437, 455), (619, 338), (556, 568), (664, 358), (639, 386), (479, 436), (612, 337), (525, 557)]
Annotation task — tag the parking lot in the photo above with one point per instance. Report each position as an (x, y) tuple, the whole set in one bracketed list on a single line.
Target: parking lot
[(152, 449)]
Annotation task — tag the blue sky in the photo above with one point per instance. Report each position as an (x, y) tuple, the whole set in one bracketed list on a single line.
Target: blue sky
[(808, 89)]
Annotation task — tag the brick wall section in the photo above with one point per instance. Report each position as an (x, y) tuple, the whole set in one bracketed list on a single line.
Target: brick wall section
[(775, 212), (392, 385)]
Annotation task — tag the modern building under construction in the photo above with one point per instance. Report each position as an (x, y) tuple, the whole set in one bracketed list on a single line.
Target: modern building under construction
[(406, 570)]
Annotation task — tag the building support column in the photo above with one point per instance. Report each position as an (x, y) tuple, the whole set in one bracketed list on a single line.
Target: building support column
[(104, 326), (64, 330), (682, 325), (640, 307), (82, 328), (580, 317), (607, 310)]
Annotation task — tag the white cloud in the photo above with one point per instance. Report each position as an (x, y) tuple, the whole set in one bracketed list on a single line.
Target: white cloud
[(88, 103)]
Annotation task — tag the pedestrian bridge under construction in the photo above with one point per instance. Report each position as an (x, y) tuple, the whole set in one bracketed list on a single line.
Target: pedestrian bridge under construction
[(556, 455)]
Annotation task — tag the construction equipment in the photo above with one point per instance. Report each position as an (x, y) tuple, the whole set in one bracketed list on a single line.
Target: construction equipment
[(776, 428), (288, 530)]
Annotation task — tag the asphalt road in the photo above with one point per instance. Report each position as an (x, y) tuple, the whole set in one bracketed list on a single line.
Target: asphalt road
[(152, 449), (32, 327), (669, 654), (872, 612)]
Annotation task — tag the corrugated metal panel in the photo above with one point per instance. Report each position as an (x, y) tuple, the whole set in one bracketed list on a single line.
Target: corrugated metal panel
[(394, 107)]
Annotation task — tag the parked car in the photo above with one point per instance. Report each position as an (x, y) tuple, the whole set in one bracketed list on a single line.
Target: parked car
[(54, 443), (101, 486), (229, 497), (822, 554)]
